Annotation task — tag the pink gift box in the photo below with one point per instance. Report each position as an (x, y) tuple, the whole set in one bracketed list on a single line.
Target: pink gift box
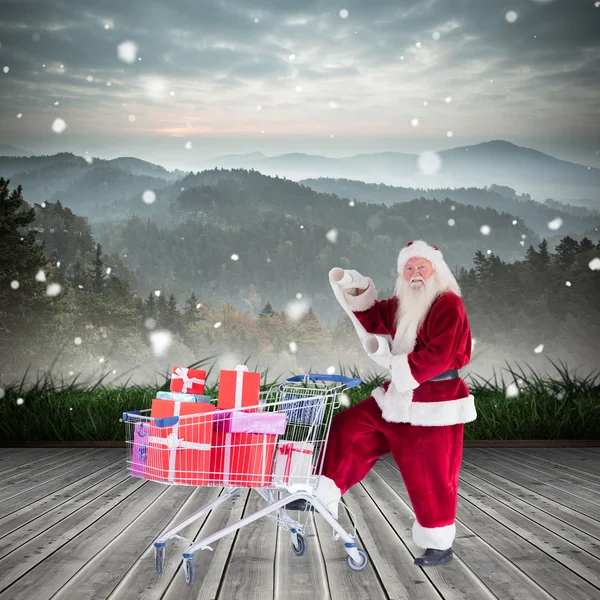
[(239, 421)]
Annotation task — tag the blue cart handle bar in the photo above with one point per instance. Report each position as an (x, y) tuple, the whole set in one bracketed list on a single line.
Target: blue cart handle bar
[(165, 422), (350, 383)]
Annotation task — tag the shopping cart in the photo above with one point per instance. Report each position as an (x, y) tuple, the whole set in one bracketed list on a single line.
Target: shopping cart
[(281, 467)]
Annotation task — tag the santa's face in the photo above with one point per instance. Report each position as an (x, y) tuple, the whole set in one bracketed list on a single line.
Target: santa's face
[(417, 271)]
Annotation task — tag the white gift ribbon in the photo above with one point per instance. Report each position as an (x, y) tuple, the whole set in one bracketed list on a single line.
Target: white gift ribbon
[(182, 373), (227, 462), (239, 384)]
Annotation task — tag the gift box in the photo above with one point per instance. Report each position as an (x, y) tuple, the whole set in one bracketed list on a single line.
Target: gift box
[(293, 462), (242, 459), (180, 397), (298, 409), (180, 453), (240, 421), (188, 381), (239, 389), (139, 455)]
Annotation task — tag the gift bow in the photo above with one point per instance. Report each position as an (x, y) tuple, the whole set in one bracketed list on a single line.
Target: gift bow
[(286, 450), (182, 373), (241, 368)]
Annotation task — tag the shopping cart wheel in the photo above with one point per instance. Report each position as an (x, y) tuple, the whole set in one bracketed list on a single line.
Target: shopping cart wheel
[(300, 549), (159, 559), (189, 569), (361, 564)]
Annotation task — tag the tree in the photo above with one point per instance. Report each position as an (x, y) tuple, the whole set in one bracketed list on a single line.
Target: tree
[(544, 255), (531, 256), (150, 306), (97, 273), (566, 251), (267, 311), (190, 311)]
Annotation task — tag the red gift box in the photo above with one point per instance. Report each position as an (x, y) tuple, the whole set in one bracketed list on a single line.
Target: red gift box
[(242, 459), (239, 389), (180, 453), (188, 381)]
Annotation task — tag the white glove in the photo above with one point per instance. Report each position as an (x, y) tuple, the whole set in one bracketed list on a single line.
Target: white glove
[(384, 360), (353, 281)]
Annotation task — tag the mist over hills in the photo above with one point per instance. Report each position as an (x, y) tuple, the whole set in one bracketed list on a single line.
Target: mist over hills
[(500, 162)]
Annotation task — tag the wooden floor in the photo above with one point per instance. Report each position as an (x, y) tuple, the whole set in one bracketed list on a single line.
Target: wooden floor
[(73, 525)]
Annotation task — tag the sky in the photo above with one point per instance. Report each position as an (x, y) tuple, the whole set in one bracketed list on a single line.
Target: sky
[(181, 81)]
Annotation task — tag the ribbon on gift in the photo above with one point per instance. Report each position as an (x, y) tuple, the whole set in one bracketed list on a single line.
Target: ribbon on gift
[(287, 450), (173, 443), (239, 384), (182, 373), (227, 460)]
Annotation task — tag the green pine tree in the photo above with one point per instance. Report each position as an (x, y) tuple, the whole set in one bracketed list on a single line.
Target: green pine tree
[(267, 311)]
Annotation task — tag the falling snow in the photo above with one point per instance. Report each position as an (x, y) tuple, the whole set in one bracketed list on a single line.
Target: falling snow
[(436, 35), (594, 264), (332, 235), (485, 229), (555, 224), (451, 222), (448, 99), (14, 284), (296, 309), (429, 163), (77, 341), (160, 340), (89, 160), (511, 16), (6, 69), (449, 133), (53, 290), (234, 257), (414, 122), (332, 104), (344, 399), (131, 118), (512, 391), (19, 115), (149, 323), (293, 347), (20, 401), (149, 197), (299, 296), (568, 283), (188, 145), (40, 276), (539, 348), (157, 293), (344, 13), (217, 324), (330, 370), (59, 125), (514, 222)]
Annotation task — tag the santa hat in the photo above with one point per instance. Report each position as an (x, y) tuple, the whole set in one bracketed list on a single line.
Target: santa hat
[(422, 249)]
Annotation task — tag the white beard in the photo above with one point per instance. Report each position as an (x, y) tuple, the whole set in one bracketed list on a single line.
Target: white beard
[(414, 304)]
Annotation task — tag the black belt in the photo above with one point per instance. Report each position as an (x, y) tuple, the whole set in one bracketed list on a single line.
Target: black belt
[(450, 374)]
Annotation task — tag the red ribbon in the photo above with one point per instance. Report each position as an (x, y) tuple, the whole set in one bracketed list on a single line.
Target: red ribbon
[(286, 450)]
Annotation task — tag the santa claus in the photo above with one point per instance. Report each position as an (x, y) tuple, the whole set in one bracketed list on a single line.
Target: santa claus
[(419, 413)]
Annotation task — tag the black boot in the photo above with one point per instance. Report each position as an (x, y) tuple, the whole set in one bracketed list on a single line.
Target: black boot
[(432, 557), (299, 504)]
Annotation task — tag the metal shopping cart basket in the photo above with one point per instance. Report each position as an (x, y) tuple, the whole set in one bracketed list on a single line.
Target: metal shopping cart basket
[(202, 450)]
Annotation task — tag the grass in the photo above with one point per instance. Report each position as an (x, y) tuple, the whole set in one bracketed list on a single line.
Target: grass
[(565, 407)]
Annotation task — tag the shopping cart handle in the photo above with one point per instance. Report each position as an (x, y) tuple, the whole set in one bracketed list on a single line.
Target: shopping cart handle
[(166, 422), (131, 412), (349, 382)]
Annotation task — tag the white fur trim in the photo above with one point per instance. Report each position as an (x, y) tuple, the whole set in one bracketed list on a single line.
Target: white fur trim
[(363, 301), (398, 407), (401, 375), (439, 538)]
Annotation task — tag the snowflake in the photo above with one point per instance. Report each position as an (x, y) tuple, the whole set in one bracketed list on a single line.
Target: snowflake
[(101, 359), (555, 224), (418, 44), (425, 103), (448, 99), (6, 69), (157, 293), (512, 391), (127, 52), (77, 341), (351, 203), (234, 257), (299, 296), (54, 289), (108, 270), (59, 125), (160, 340), (539, 348), (298, 88), (90, 78), (40, 276), (56, 103), (131, 118), (332, 235), (594, 264), (291, 56), (293, 347), (188, 145), (568, 283), (344, 399), (429, 163), (149, 323), (453, 207), (333, 104), (449, 133), (436, 35), (149, 197), (451, 222), (89, 160), (414, 122), (296, 309), (20, 115), (20, 401), (217, 324), (344, 13), (485, 229), (330, 370), (511, 16), (514, 222), (14, 284)]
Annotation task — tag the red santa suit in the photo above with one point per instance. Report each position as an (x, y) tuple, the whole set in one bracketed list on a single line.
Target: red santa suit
[(421, 422)]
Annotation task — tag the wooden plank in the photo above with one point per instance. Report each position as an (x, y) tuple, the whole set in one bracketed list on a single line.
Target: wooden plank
[(300, 577), (103, 565), (250, 569), (27, 558), (595, 452), (343, 582), (21, 535), (210, 566), (581, 527), (532, 480), (141, 581), (455, 582), (12, 463), (551, 471), (32, 478), (47, 489), (390, 557), (485, 560), (562, 458)]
